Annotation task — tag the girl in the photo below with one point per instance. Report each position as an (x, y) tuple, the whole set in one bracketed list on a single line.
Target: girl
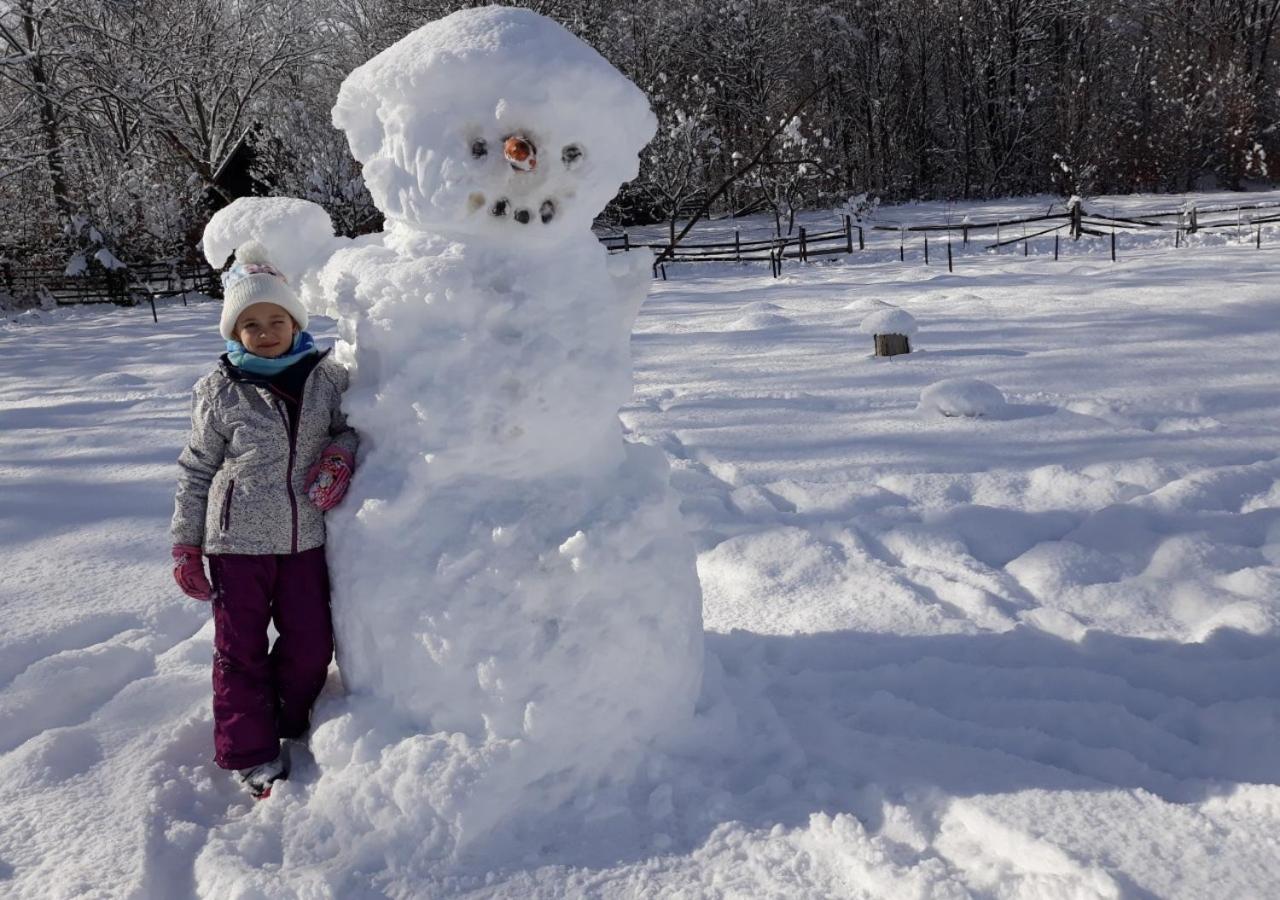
[(269, 452)]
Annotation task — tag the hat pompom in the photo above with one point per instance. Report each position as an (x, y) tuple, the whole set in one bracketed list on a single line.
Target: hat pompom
[(253, 278), (253, 252)]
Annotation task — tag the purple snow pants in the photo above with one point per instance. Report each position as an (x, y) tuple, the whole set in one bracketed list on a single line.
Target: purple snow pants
[(261, 697)]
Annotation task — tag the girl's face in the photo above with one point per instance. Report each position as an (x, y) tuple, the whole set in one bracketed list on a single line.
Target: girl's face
[(266, 329)]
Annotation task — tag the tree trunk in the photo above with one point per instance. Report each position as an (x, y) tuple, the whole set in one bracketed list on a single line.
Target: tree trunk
[(48, 115), (892, 344)]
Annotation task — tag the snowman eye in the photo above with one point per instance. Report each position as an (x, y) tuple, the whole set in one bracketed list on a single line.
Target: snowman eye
[(570, 155), (479, 149)]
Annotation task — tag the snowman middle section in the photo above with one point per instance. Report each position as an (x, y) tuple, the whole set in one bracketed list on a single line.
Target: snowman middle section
[(507, 566)]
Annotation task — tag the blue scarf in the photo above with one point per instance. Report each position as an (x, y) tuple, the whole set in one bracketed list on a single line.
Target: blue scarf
[(241, 358)]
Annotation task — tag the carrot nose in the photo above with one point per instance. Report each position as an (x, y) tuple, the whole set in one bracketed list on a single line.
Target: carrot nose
[(520, 153)]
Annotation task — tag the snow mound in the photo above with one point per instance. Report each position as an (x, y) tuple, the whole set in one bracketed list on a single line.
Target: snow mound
[(117, 379), (1052, 567), (889, 321), (760, 306), (964, 297), (968, 397), (758, 321)]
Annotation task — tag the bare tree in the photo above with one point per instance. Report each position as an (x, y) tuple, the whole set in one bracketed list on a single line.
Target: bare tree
[(32, 36), (189, 77)]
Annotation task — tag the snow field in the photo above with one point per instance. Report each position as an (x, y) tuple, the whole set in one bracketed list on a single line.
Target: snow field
[(1033, 656)]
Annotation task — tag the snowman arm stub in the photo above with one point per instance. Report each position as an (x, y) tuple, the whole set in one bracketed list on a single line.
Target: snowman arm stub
[(632, 276), (297, 234)]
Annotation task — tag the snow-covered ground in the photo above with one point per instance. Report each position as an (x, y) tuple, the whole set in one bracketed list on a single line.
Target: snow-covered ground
[(1030, 654)]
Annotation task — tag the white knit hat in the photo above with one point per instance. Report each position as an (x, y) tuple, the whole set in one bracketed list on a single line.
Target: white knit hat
[(254, 279)]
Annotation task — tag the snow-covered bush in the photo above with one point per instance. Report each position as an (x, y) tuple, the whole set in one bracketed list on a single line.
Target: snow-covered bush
[(968, 397)]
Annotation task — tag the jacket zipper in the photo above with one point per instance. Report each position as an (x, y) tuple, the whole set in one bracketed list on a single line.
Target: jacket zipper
[(288, 481), (288, 475), (293, 445), (226, 505)]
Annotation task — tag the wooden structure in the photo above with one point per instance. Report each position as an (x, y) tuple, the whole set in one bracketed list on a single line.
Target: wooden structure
[(1075, 220), (240, 174), (138, 283), (892, 344)]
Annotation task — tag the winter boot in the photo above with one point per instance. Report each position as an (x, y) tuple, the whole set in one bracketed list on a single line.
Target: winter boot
[(258, 779)]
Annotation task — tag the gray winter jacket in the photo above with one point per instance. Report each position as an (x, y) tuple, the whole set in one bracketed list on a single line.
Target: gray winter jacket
[(241, 484)]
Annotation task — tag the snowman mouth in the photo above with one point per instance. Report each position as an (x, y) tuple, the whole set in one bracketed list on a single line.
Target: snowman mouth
[(523, 215)]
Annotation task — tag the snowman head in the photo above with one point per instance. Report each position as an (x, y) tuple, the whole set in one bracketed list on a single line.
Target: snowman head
[(496, 122)]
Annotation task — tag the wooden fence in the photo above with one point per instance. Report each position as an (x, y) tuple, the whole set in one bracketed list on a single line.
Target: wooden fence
[(139, 283), (147, 282), (804, 245), (1076, 221)]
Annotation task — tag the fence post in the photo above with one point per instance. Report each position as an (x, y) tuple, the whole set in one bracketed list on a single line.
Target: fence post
[(737, 245), (1077, 219), (1259, 237), (997, 237), (862, 243), (1113, 243), (1195, 222), (213, 281), (1055, 247), (848, 235), (115, 286), (626, 242), (804, 247), (950, 267), (902, 244), (965, 229), (926, 249)]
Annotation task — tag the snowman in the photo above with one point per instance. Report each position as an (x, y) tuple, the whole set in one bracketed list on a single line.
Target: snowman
[(507, 569)]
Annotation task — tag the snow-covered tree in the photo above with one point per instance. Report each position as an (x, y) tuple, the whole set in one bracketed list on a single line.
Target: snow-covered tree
[(123, 111)]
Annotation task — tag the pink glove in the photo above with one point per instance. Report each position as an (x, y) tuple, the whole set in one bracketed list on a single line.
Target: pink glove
[(188, 571), (327, 480)]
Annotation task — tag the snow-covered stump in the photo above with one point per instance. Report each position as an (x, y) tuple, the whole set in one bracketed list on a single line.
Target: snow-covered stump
[(892, 344), (890, 330), (515, 599)]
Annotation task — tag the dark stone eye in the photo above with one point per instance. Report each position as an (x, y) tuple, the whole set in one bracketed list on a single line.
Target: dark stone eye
[(522, 216), (571, 154), (499, 208), (547, 211), (479, 149)]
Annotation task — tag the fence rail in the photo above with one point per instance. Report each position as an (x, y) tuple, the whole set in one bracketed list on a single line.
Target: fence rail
[(128, 286), (146, 282), (1075, 220)]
